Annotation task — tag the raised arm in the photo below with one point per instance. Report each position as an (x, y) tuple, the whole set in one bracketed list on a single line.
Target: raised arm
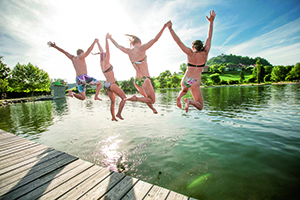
[(125, 50), (107, 47), (211, 19), (146, 46), (99, 47), (184, 48), (89, 50), (52, 44)]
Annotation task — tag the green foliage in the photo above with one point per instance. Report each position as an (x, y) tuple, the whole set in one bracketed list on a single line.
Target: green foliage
[(294, 73), (204, 79), (174, 82), (3, 85), (242, 75), (267, 78), (29, 78), (278, 73), (223, 82), (222, 68), (252, 79), (268, 69), (183, 67), (4, 70), (235, 60), (215, 78), (128, 85), (259, 71)]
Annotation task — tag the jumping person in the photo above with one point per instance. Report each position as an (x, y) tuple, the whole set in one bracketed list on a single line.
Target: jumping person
[(196, 57), (82, 79), (138, 58), (110, 86)]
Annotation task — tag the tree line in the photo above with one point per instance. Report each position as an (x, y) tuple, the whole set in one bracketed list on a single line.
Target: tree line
[(29, 78)]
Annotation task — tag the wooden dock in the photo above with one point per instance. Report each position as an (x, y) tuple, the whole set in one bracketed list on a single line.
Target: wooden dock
[(29, 170)]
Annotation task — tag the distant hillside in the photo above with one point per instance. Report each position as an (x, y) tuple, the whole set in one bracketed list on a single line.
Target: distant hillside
[(234, 60)]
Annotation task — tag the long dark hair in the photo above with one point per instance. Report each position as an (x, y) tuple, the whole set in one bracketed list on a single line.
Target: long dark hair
[(198, 45)]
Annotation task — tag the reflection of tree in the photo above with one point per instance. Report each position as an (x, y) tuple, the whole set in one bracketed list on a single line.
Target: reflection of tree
[(31, 118), (60, 107), (237, 99), (6, 123)]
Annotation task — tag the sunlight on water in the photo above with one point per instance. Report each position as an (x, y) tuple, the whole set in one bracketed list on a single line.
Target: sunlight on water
[(244, 144)]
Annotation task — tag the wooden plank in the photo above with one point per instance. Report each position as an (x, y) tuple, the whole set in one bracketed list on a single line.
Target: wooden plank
[(16, 150), (87, 185), (14, 147), (20, 157), (28, 163), (119, 190), (157, 192), (58, 180), (104, 186), (71, 183), (176, 196), (38, 186), (13, 138), (23, 152), (139, 191), (4, 135), (37, 171), (11, 143)]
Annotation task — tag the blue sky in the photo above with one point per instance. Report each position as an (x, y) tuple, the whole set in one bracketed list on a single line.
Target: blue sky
[(269, 29)]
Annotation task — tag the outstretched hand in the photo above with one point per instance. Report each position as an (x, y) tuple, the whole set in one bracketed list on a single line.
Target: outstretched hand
[(212, 16), (51, 44), (108, 36), (169, 24)]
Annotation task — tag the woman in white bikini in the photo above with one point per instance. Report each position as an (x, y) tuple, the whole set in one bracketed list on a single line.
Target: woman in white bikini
[(138, 58), (110, 86), (196, 57)]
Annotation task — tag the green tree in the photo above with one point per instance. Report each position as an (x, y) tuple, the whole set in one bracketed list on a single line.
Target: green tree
[(204, 79), (222, 69), (128, 85), (4, 76), (175, 81), (29, 78), (183, 67), (268, 69), (242, 77), (278, 73), (294, 74), (259, 72), (215, 78), (4, 70)]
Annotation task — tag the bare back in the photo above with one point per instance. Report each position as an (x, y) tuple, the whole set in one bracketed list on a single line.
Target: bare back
[(135, 55), (194, 58)]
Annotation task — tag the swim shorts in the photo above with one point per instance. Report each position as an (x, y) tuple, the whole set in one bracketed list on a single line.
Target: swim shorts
[(84, 80)]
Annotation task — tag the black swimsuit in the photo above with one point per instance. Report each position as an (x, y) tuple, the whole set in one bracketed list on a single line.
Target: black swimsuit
[(109, 69), (191, 65)]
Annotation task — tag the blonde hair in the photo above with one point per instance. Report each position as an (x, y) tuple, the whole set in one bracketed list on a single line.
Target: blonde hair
[(134, 39)]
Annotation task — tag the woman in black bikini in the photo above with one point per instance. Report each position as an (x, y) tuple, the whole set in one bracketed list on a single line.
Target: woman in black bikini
[(110, 86), (138, 58), (197, 57)]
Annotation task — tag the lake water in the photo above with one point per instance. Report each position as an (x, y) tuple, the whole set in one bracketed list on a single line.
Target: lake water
[(244, 144)]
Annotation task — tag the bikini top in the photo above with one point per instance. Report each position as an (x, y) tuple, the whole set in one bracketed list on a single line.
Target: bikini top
[(191, 65), (140, 62), (109, 69)]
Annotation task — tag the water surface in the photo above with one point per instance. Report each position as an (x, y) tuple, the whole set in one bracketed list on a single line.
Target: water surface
[(244, 144)]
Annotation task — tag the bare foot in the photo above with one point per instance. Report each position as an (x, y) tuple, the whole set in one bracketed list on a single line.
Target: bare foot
[(178, 102), (97, 98), (119, 116), (154, 111), (114, 119), (70, 93), (187, 103), (133, 98)]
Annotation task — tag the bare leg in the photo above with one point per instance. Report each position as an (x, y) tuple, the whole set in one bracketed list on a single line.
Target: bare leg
[(187, 103), (198, 99), (182, 92), (98, 87), (70, 93), (148, 92), (112, 104), (80, 96), (115, 88)]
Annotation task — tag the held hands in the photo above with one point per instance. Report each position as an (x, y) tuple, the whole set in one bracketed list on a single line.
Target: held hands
[(108, 36), (51, 44), (96, 40), (169, 25), (212, 16)]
